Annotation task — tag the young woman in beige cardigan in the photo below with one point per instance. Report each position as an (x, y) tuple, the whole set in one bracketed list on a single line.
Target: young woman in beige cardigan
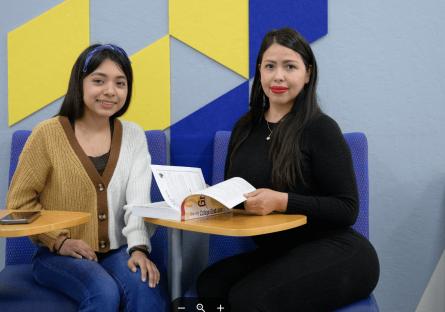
[(86, 159)]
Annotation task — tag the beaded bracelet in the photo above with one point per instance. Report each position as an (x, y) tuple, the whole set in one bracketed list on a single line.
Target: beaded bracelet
[(61, 244)]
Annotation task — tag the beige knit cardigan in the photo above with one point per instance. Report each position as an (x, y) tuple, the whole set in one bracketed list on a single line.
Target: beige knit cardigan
[(54, 173)]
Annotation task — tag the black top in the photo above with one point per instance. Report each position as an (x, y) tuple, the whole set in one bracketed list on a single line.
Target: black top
[(330, 197), (101, 161)]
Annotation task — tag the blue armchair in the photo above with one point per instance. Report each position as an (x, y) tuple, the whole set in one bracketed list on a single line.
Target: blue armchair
[(19, 291), (221, 247)]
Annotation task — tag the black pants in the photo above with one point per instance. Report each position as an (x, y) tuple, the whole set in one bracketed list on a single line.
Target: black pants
[(323, 274)]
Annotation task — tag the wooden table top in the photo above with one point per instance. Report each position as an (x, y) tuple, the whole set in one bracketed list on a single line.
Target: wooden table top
[(48, 221), (236, 223)]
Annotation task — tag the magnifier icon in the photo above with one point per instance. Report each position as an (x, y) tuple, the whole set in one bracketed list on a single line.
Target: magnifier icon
[(200, 307)]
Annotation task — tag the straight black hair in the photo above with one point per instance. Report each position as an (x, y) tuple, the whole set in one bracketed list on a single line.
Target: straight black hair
[(285, 149), (73, 106)]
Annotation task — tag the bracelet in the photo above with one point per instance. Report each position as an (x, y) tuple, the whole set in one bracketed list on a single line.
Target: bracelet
[(61, 244), (133, 249)]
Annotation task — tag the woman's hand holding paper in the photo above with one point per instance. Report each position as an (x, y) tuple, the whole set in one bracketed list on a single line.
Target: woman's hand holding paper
[(264, 201)]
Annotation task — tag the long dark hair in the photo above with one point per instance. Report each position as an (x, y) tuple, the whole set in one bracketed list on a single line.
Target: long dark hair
[(73, 105), (285, 149)]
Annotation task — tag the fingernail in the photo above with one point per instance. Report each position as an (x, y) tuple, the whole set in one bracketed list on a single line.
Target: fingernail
[(143, 280), (91, 258), (134, 270)]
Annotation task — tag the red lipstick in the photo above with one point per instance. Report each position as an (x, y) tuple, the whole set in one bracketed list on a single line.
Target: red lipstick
[(278, 89)]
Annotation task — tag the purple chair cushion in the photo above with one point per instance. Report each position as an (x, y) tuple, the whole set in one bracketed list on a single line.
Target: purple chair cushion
[(359, 149), (368, 304), (19, 291)]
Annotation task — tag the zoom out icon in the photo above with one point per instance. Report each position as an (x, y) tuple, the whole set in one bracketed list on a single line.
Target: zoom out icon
[(189, 304)]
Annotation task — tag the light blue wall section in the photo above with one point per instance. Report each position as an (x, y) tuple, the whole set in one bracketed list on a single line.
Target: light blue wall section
[(381, 72), (193, 80), (133, 25)]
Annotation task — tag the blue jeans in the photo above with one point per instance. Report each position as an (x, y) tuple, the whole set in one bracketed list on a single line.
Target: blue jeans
[(106, 285)]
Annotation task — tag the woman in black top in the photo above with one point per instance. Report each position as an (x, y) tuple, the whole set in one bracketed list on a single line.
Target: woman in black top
[(298, 160)]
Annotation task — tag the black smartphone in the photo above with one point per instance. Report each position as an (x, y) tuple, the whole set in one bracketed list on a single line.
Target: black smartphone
[(20, 217)]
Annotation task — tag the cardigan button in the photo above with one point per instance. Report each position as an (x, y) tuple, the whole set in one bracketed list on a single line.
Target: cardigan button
[(103, 244), (100, 187), (102, 217)]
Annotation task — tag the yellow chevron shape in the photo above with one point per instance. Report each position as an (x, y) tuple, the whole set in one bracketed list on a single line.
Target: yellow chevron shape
[(150, 104), (41, 54), (216, 28)]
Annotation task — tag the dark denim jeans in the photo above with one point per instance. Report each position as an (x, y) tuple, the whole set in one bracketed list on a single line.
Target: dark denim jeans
[(107, 285)]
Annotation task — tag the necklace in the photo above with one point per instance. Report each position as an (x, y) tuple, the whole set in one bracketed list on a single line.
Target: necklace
[(94, 152), (268, 138)]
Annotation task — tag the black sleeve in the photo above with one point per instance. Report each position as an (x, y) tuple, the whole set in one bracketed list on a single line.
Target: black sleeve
[(337, 200)]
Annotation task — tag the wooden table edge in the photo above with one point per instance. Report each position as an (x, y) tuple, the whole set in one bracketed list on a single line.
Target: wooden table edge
[(193, 227), (11, 230)]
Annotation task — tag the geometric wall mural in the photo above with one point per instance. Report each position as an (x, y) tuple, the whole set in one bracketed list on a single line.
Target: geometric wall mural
[(150, 102), (227, 31), (310, 18), (41, 54), (192, 137), (218, 29)]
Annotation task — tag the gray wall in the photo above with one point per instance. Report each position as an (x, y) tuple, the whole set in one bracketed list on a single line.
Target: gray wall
[(381, 73)]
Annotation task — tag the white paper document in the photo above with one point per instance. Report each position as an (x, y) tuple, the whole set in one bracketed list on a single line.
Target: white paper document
[(186, 196), (177, 183)]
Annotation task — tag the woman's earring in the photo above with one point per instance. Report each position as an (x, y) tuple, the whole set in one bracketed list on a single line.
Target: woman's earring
[(264, 100)]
